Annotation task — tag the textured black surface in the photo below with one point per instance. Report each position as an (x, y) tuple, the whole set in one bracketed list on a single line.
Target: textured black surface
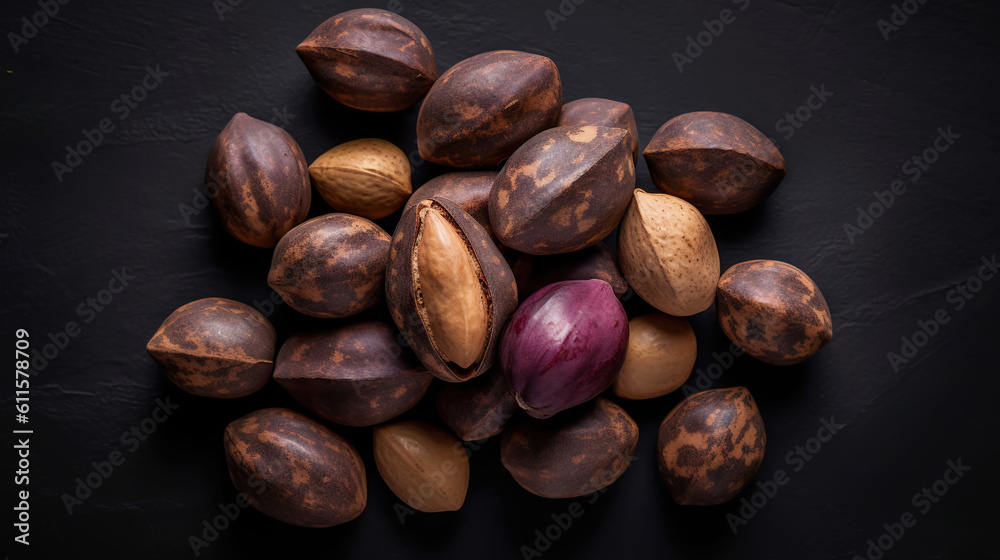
[(61, 240)]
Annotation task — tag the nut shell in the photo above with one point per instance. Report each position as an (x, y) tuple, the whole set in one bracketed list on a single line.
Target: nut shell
[(468, 189), (423, 465), (773, 311), (368, 177), (215, 347), (594, 262), (477, 409), (295, 469), (710, 446), (661, 353), (601, 112)]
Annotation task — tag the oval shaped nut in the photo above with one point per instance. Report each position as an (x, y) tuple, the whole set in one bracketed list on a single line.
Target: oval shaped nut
[(468, 189), (423, 465), (477, 409), (572, 454), (661, 353), (215, 347), (718, 162), (773, 311), (295, 469), (710, 446), (668, 254), (448, 288), (260, 181), (564, 190), (596, 262), (331, 266), (370, 59), (486, 106), (601, 112), (368, 177), (355, 375)]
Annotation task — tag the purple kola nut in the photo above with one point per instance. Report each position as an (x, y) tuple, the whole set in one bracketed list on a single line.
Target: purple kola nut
[(563, 346)]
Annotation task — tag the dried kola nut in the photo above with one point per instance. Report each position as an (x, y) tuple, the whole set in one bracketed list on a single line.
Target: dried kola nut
[(601, 112), (468, 189), (424, 466), (368, 177)]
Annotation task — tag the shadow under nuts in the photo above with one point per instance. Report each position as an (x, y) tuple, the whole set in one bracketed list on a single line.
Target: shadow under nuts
[(295, 469), (719, 163), (355, 375), (215, 347), (331, 266), (773, 311), (710, 446), (601, 112), (661, 353), (260, 180), (368, 177), (448, 289), (424, 466), (668, 255)]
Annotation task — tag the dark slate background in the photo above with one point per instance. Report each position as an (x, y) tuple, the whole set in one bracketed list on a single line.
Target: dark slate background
[(119, 208)]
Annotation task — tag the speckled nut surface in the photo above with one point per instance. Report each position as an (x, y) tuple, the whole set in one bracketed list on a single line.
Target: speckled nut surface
[(355, 375), (368, 177), (423, 465), (710, 446), (717, 162), (773, 311), (215, 347), (370, 59), (668, 254), (468, 189), (601, 112), (573, 453), (258, 181), (564, 190), (661, 353), (295, 469), (594, 262), (486, 106), (478, 408), (331, 266)]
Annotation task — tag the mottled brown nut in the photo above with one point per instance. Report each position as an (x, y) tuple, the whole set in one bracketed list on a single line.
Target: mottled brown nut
[(601, 112), (294, 469), (486, 106), (563, 190), (258, 181), (667, 253), (773, 311), (331, 266), (370, 59), (572, 454), (423, 465), (477, 409), (468, 189), (448, 288), (368, 177), (661, 353), (710, 446), (719, 163), (594, 262), (355, 375), (215, 347)]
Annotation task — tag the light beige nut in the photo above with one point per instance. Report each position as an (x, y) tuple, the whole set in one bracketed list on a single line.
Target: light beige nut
[(424, 466), (661, 352), (368, 177)]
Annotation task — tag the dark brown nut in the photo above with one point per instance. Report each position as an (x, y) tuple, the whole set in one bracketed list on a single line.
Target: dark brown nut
[(468, 189), (773, 311), (594, 262), (368, 177), (572, 454), (661, 353), (259, 181), (370, 59), (719, 163), (477, 409), (563, 190), (331, 266), (355, 375), (601, 112), (215, 347), (486, 106), (423, 465), (448, 288), (295, 469), (710, 446)]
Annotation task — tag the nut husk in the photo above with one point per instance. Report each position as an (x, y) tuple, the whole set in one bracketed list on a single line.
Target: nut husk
[(718, 162), (661, 353), (215, 347), (601, 112), (468, 189), (773, 311), (476, 409), (258, 181), (370, 59), (668, 254), (368, 177), (295, 469), (423, 465), (594, 262)]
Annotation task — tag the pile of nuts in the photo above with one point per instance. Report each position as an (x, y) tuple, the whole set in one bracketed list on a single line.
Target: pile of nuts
[(544, 184)]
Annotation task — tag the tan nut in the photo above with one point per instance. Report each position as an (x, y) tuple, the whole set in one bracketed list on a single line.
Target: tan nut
[(368, 177), (424, 466), (661, 353)]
